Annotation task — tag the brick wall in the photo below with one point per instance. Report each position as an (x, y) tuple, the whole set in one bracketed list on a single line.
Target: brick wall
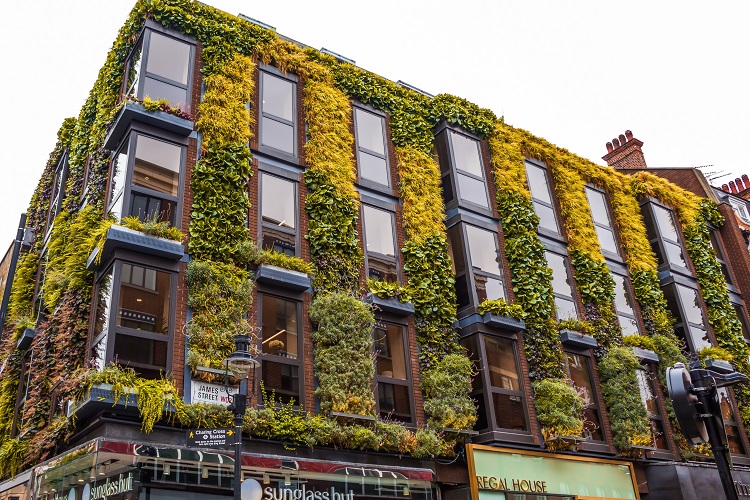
[(625, 152)]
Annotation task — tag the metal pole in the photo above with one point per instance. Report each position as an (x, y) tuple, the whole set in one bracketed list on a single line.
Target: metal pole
[(240, 403), (12, 270)]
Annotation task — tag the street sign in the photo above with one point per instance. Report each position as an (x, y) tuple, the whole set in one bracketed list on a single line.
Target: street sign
[(211, 438)]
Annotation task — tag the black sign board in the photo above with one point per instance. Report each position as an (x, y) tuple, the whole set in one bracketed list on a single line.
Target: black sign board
[(211, 438)]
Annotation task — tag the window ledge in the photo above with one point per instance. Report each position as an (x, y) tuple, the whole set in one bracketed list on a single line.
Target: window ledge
[(284, 278), (27, 337), (645, 355), (101, 398), (506, 322), (390, 305), (119, 237), (576, 339), (134, 111), (354, 416)]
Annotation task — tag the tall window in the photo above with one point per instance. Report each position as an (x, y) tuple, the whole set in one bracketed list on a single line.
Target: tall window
[(602, 221), (479, 277), (647, 388), (154, 187), (380, 246), (278, 108), (58, 188), (541, 196), (579, 370), (624, 306), (280, 347), (664, 237), (278, 202), (720, 255), (562, 286), (462, 170), (684, 304), (498, 387), (372, 153), (392, 376), (168, 68), (139, 333), (729, 414)]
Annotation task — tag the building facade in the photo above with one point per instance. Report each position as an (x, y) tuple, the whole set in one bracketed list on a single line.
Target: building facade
[(441, 305)]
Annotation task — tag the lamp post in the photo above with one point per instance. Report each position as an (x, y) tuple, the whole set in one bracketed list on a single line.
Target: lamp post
[(241, 363)]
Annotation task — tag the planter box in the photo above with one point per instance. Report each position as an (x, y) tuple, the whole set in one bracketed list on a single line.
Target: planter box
[(504, 322), (128, 239), (134, 111), (576, 339), (645, 355), (390, 305), (24, 342), (101, 398), (284, 278)]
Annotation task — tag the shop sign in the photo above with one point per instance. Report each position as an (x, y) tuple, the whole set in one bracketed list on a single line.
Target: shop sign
[(501, 469), (100, 491), (212, 394), (302, 493), (211, 438)]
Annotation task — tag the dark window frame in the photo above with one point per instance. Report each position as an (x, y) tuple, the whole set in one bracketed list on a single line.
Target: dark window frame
[(144, 40), (610, 228), (736, 415), (24, 380), (631, 299), (368, 183), (270, 150), (721, 256), (57, 196), (594, 402), (659, 242), (395, 260), (682, 321), (649, 373), (293, 178), (558, 234), (408, 382), (569, 273)]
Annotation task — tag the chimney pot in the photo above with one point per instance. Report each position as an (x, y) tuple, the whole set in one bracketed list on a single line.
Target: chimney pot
[(746, 180), (622, 139), (725, 188), (609, 147), (732, 187), (628, 135), (740, 185), (615, 143)]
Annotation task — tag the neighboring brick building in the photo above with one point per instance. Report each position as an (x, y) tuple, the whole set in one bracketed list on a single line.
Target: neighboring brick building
[(441, 305)]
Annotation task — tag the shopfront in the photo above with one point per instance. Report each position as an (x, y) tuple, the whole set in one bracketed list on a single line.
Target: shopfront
[(112, 470), (507, 474)]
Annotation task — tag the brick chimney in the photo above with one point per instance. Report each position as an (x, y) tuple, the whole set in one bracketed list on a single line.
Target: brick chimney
[(625, 152)]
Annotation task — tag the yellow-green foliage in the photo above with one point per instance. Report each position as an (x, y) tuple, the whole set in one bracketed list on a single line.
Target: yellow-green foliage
[(223, 115), (507, 160), (420, 190), (685, 203), (154, 227), (22, 289)]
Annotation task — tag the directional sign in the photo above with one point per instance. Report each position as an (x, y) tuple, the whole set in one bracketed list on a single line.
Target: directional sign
[(211, 438)]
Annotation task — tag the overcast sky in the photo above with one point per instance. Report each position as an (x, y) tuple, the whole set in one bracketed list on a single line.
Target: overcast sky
[(577, 73)]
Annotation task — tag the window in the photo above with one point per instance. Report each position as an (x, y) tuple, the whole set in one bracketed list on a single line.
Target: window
[(380, 246), (153, 190), (664, 237), (139, 333), (624, 306), (579, 371), (391, 372), (280, 347), (24, 381), (462, 169), (278, 206), (541, 197), (168, 64), (372, 153), (684, 304), (729, 414), (720, 256), (647, 388), (743, 322), (58, 188), (562, 286), (740, 207), (278, 109), (498, 387), (602, 221)]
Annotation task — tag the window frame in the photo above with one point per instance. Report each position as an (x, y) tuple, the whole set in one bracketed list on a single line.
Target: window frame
[(270, 150), (738, 208), (658, 240), (111, 329), (595, 403), (631, 299), (128, 188), (391, 209), (736, 415), (59, 182), (720, 253), (682, 321), (293, 178), (609, 228), (368, 183), (283, 360), (557, 234), (408, 382), (568, 270), (144, 40), (649, 374), (22, 393)]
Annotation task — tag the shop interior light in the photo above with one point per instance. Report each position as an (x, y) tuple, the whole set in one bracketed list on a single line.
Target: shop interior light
[(102, 471), (266, 479), (81, 480), (167, 469), (287, 481), (406, 491), (204, 473)]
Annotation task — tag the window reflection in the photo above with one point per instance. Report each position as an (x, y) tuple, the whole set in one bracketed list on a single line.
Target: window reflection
[(389, 348), (379, 231), (371, 149), (580, 374), (625, 315), (144, 299), (483, 249), (278, 206), (561, 286), (501, 364), (117, 183), (278, 96), (466, 154), (277, 113), (157, 165), (279, 347), (472, 190)]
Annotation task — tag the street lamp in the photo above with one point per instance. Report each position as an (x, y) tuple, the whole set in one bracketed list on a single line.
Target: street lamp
[(241, 363)]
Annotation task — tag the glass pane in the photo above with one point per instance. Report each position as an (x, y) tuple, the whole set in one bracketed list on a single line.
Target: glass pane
[(278, 97), (281, 379), (538, 184), (658, 435), (488, 288), (591, 427), (381, 269), (278, 201), (394, 402), (373, 168), (157, 165), (472, 349), (509, 412), (134, 71), (699, 337), (674, 254), (277, 135), (389, 351), (144, 299), (99, 354), (734, 441), (139, 350), (628, 325), (152, 208), (560, 281), (378, 231), (647, 393), (169, 58), (607, 239), (483, 249), (578, 369), (472, 190), (456, 249), (462, 291), (547, 219), (103, 306), (741, 316), (466, 153), (117, 183), (690, 304), (665, 223), (279, 327), (156, 90), (279, 241), (727, 410), (565, 308), (598, 205), (369, 131), (622, 298), (501, 364)]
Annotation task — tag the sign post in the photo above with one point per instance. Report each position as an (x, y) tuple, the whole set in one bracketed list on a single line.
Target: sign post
[(223, 437)]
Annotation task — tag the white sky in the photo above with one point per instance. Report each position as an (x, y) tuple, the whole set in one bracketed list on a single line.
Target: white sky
[(577, 73)]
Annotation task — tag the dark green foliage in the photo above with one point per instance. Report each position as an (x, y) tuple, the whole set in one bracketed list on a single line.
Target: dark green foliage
[(446, 386)]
